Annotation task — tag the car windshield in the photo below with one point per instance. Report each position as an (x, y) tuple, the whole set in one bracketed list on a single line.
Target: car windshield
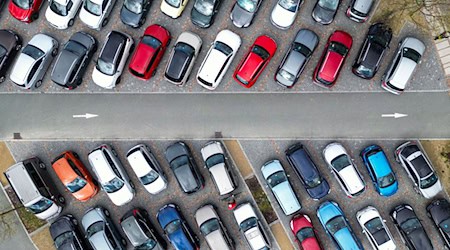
[(214, 160), (40, 206), (94, 228), (222, 47), (242, 79), (305, 233), (179, 161), (134, 6), (151, 41), (314, 182), (205, 7), (411, 54), (23, 4), (173, 226), (185, 48), (113, 185), (290, 5), (75, 48), (149, 177), (376, 229), (410, 225), (77, 184), (260, 51), (276, 178), (33, 52), (379, 39), (248, 5), (445, 225), (329, 4), (106, 68), (173, 3), (248, 224), (286, 75), (149, 244), (62, 239), (340, 162), (62, 10), (209, 226), (387, 180), (338, 48), (302, 49), (93, 8), (336, 224), (365, 70), (429, 181)]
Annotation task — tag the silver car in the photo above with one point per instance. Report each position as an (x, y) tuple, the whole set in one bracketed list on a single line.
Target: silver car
[(212, 229)]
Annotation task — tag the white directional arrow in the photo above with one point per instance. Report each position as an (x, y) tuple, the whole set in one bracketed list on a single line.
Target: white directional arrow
[(87, 116), (395, 115)]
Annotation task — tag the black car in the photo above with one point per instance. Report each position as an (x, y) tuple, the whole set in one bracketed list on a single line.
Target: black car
[(300, 160), (439, 212), (66, 234), (134, 12), (184, 167), (203, 12), (10, 44), (244, 11), (372, 51), (73, 60), (325, 10), (410, 228)]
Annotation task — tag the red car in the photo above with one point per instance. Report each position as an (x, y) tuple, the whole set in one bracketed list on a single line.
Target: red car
[(304, 232), (25, 10), (149, 51), (255, 61), (333, 57)]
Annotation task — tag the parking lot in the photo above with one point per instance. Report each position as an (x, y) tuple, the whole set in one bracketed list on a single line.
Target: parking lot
[(428, 77)]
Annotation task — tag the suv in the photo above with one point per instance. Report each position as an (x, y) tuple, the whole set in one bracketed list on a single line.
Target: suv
[(251, 227), (33, 189)]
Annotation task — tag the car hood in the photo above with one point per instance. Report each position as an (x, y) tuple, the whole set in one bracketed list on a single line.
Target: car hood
[(432, 191), (52, 212), (286, 196), (240, 17), (319, 191), (282, 17), (83, 39), (327, 211), (91, 20), (346, 239), (86, 192), (352, 179), (174, 151), (200, 19), (220, 174), (90, 218), (43, 42), (17, 12), (157, 186), (99, 241), (121, 196), (230, 38), (389, 190), (216, 239), (323, 15), (68, 244), (211, 149), (129, 17), (180, 241), (186, 178), (102, 80), (55, 19), (420, 239), (255, 238)]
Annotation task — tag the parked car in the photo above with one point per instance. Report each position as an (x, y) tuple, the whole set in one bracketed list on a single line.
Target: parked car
[(419, 169), (111, 175), (25, 11), (149, 52), (95, 13), (244, 11), (10, 44), (250, 227), (278, 182), (61, 13), (134, 12), (359, 10), (73, 60), (256, 60), (439, 213), (74, 176), (296, 58), (33, 61), (112, 59), (337, 227), (173, 8), (218, 59), (215, 161), (66, 234), (177, 231), (284, 13), (410, 228), (402, 67), (137, 227), (375, 229), (147, 168), (372, 51), (344, 169), (325, 10), (182, 58), (380, 171), (304, 232), (100, 230), (204, 11), (333, 57), (184, 167), (211, 227)]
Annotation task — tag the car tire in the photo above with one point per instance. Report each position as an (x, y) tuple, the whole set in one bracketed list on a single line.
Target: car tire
[(142, 21), (105, 22), (2, 79), (154, 73), (106, 212), (117, 83), (55, 52), (61, 199), (34, 16), (38, 84), (123, 241), (71, 21)]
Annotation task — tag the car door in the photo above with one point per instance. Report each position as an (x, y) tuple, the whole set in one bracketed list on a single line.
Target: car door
[(35, 71)]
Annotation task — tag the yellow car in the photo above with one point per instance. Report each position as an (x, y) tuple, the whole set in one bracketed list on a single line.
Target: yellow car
[(173, 8)]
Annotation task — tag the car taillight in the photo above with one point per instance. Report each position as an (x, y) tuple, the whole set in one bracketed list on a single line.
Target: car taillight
[(348, 196)]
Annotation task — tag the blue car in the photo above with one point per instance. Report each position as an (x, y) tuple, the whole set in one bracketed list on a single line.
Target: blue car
[(380, 170), (175, 228), (337, 227)]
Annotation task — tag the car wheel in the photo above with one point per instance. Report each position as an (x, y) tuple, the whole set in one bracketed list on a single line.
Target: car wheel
[(34, 16), (61, 199), (117, 82), (42, 165), (75, 221), (142, 21), (105, 22), (18, 47), (2, 79), (71, 21), (124, 242), (154, 72), (106, 212), (38, 84), (55, 52)]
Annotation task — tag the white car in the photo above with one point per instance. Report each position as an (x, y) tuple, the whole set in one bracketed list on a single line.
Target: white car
[(147, 168), (343, 169), (112, 59), (218, 59), (212, 229), (375, 229), (95, 13), (251, 227), (61, 13), (33, 61), (173, 8), (284, 13)]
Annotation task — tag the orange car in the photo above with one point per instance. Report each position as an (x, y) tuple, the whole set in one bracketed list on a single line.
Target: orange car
[(74, 175)]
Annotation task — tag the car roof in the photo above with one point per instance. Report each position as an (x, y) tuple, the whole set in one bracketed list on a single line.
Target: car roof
[(372, 54), (110, 49), (64, 66), (330, 66), (101, 166), (133, 231), (22, 183), (178, 63), (249, 67), (138, 163), (304, 164), (403, 72), (308, 38), (212, 66)]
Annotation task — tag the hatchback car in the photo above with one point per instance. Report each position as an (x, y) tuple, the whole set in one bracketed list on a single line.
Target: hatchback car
[(147, 168), (296, 58), (215, 161), (251, 227), (211, 227), (149, 52), (204, 11), (66, 234), (304, 232), (100, 230), (372, 51), (61, 13), (25, 10), (380, 171), (410, 228), (182, 58), (337, 227), (133, 12), (375, 229), (95, 13), (173, 8), (73, 60), (74, 176), (359, 10), (112, 59), (278, 182), (439, 212), (256, 60), (333, 58), (419, 169), (325, 10), (284, 13), (33, 61), (177, 231), (184, 167), (218, 59), (244, 11), (10, 45), (344, 169)]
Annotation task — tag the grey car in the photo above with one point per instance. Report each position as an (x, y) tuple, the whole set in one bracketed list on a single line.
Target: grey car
[(212, 229), (244, 11), (73, 60), (325, 10), (296, 58)]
